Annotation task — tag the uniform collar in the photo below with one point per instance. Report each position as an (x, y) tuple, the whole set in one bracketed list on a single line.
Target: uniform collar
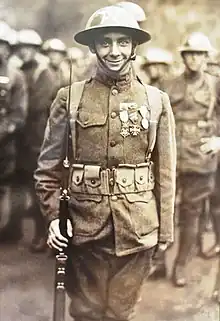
[(122, 83)]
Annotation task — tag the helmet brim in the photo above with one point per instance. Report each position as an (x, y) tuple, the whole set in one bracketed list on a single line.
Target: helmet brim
[(87, 37)]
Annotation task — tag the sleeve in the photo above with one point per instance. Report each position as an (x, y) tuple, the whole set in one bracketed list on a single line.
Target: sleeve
[(49, 169), (165, 171)]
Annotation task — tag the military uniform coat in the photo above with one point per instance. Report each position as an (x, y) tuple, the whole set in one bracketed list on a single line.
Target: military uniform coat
[(191, 101), (138, 210)]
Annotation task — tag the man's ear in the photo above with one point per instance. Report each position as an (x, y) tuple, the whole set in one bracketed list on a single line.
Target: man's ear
[(133, 52), (92, 48)]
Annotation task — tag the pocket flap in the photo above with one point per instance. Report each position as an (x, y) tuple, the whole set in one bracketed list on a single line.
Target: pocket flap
[(125, 176), (143, 197), (77, 175), (86, 119), (92, 175), (176, 98), (141, 175)]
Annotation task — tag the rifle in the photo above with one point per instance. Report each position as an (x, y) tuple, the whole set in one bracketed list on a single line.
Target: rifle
[(62, 256)]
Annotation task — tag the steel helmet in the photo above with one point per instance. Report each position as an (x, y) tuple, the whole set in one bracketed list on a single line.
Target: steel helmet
[(214, 58), (75, 53), (54, 44), (111, 18), (5, 32), (13, 37), (158, 56), (134, 9), (29, 37), (196, 41)]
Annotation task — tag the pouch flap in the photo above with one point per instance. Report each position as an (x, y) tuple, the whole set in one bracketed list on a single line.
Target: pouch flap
[(92, 175), (77, 175), (125, 176), (141, 174)]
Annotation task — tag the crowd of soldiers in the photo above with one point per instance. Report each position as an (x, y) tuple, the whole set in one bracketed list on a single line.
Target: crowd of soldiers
[(32, 71)]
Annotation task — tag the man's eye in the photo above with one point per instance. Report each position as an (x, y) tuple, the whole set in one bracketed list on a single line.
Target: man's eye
[(104, 43), (124, 42)]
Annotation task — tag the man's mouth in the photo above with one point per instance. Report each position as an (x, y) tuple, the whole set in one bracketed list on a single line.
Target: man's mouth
[(114, 62)]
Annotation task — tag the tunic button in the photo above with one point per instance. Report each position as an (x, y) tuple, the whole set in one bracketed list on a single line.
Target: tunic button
[(112, 143), (114, 198), (141, 178), (114, 91), (124, 180), (113, 114), (93, 181)]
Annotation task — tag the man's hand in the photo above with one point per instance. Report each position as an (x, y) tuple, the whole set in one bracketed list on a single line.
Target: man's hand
[(55, 239), (210, 145)]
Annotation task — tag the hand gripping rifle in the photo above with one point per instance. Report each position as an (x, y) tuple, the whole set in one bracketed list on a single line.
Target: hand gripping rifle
[(61, 257)]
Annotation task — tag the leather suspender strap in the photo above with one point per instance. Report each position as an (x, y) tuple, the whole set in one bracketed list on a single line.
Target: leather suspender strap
[(155, 102), (76, 95)]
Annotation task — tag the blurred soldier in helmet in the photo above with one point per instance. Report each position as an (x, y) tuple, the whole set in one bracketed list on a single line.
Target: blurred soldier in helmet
[(123, 173), (13, 110), (133, 9), (40, 91), (157, 65), (56, 51), (76, 57), (213, 68), (213, 64), (195, 100)]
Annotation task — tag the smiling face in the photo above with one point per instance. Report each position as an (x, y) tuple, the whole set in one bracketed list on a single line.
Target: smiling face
[(114, 50)]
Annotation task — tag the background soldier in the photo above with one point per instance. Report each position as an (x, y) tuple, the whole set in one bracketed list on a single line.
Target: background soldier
[(40, 91), (194, 95), (56, 51), (213, 68), (13, 109), (115, 193), (157, 65)]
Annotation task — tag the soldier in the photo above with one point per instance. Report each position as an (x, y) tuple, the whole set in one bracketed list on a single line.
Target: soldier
[(13, 109), (213, 68), (157, 65), (56, 51), (194, 96), (123, 174), (40, 90), (134, 9)]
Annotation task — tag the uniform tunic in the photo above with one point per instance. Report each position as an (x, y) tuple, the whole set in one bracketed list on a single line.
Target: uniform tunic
[(125, 218)]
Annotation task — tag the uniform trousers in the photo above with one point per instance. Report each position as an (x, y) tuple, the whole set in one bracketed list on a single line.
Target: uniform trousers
[(102, 286), (195, 187), (215, 206)]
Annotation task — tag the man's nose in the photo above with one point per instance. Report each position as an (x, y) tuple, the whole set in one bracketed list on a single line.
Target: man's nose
[(115, 49)]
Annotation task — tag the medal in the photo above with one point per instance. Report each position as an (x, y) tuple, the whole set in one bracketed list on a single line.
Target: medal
[(145, 123), (125, 130), (145, 116), (134, 130)]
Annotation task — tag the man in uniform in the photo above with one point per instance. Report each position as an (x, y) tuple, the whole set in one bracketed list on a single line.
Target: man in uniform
[(56, 51), (213, 68), (157, 65), (40, 91), (195, 101), (13, 110), (123, 173)]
